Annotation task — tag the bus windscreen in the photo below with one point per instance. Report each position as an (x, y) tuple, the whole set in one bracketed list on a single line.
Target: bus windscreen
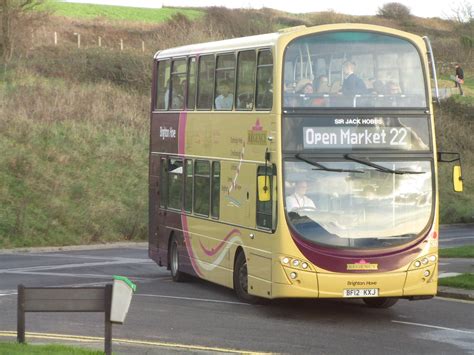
[(353, 69)]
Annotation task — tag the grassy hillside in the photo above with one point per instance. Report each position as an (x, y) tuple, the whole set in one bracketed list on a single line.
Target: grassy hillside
[(74, 123), (117, 13), (74, 163)]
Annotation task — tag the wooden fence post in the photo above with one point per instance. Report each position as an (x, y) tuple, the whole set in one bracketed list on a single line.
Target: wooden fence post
[(21, 314), (121, 44), (108, 324)]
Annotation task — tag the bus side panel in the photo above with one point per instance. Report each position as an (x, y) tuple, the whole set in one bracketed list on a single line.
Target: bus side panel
[(153, 209), (163, 139), (152, 217)]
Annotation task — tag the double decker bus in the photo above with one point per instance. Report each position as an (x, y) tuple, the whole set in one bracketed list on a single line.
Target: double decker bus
[(298, 164)]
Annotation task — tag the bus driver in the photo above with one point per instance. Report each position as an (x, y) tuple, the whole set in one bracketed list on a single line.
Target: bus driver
[(298, 200)]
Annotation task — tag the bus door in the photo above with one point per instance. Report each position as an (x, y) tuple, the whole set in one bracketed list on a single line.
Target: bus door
[(260, 243)]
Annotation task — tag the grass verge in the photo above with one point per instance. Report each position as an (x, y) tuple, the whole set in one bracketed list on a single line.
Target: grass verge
[(16, 348), (458, 252), (117, 13), (465, 281)]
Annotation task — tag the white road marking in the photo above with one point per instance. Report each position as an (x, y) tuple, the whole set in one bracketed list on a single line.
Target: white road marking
[(448, 274), (78, 256), (72, 266), (96, 276), (454, 300), (192, 299), (451, 239), (433, 326)]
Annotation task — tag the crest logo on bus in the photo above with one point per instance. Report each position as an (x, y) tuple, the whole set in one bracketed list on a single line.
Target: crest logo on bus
[(257, 136), (362, 265)]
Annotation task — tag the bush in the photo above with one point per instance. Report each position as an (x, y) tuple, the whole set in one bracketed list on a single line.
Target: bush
[(394, 11), (130, 70)]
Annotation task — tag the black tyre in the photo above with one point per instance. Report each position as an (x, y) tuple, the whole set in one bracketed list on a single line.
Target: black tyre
[(176, 274), (380, 302), (241, 280)]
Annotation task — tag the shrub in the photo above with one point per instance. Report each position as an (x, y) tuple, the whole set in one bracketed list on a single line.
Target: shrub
[(130, 70), (394, 11)]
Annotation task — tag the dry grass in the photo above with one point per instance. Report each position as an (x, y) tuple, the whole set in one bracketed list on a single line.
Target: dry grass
[(74, 167)]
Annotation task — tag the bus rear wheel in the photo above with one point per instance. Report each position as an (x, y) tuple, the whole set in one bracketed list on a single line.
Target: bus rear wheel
[(241, 280), (380, 302), (176, 274)]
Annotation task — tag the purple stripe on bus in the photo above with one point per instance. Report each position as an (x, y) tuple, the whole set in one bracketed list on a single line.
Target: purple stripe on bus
[(215, 250), (183, 117), (337, 260), (189, 248), (184, 221)]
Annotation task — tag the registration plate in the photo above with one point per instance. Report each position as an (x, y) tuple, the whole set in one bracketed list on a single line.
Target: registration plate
[(361, 292)]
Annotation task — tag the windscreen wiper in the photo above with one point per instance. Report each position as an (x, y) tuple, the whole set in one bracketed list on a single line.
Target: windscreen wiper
[(380, 167), (325, 168)]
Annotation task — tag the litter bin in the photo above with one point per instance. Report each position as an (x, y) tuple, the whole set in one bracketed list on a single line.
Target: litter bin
[(122, 293)]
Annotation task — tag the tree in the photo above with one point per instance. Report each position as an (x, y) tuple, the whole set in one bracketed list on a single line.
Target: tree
[(11, 13), (462, 12), (394, 11)]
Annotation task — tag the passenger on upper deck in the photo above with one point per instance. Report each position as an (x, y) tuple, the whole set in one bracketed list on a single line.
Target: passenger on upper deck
[(352, 85), (322, 85)]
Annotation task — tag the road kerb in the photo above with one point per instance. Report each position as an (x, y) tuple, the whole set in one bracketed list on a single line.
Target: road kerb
[(458, 293)]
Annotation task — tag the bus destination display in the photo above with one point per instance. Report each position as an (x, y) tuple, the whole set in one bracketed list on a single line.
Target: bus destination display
[(408, 133)]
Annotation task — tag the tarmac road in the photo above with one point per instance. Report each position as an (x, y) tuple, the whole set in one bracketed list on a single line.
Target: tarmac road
[(456, 235), (199, 317)]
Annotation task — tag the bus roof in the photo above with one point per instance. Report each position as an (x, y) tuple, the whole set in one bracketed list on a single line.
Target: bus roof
[(221, 46), (270, 39)]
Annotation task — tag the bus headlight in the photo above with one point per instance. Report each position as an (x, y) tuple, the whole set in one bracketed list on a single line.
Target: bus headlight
[(293, 275), (424, 261), (426, 273), (285, 260), (432, 258), (417, 263), (296, 263), (304, 265)]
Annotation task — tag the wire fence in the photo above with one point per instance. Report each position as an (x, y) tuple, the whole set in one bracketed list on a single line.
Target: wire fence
[(98, 41)]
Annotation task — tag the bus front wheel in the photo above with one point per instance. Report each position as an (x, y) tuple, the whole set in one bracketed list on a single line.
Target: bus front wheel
[(176, 274), (380, 302), (241, 280)]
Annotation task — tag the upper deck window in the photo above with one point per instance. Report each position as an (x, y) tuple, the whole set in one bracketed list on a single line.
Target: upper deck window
[(265, 80), (246, 80), (205, 82), (178, 84), (353, 69), (225, 77), (162, 89)]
